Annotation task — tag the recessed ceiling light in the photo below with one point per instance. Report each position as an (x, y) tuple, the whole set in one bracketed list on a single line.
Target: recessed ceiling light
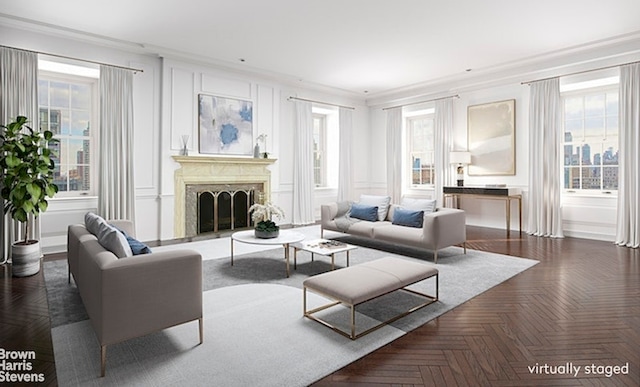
[(241, 59), (467, 70)]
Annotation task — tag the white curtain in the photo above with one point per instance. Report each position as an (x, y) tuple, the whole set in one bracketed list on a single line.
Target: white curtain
[(394, 154), (545, 159), (443, 125), (344, 156), (18, 97), (628, 229), (303, 184), (116, 199)]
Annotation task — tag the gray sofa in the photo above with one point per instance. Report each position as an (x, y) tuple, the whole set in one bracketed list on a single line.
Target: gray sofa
[(442, 228), (133, 296)]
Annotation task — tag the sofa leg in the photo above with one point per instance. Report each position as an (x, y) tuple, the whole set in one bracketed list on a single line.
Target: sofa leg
[(103, 360), (201, 325), (435, 256), (464, 245)]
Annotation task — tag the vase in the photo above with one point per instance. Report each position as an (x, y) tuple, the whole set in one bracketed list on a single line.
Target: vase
[(256, 151), (261, 234), (25, 259)]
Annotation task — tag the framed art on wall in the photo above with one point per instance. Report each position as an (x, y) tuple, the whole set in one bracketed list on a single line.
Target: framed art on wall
[(492, 138), (225, 125)]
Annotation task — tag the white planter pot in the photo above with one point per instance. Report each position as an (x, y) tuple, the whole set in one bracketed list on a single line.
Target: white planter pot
[(25, 259)]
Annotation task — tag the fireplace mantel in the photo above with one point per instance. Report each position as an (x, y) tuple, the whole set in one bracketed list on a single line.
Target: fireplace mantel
[(216, 170)]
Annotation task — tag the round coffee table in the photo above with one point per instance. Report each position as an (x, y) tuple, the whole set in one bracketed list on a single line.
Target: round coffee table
[(285, 238)]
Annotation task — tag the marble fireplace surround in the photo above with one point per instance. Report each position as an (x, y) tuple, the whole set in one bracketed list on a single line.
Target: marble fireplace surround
[(215, 170)]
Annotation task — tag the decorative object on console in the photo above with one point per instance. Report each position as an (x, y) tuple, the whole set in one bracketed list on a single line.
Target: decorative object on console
[(226, 125), (262, 215), (462, 159), (27, 168), (492, 138)]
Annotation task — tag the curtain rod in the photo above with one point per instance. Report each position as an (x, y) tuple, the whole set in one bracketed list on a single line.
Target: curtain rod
[(419, 102), (580, 72), (72, 58), (324, 103)]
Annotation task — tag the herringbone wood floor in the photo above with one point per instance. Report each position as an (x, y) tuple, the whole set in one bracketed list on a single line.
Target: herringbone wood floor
[(580, 305)]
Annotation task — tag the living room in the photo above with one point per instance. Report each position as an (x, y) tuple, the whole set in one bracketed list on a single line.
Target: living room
[(166, 112)]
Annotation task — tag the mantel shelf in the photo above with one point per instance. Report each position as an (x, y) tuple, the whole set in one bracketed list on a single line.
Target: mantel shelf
[(222, 160)]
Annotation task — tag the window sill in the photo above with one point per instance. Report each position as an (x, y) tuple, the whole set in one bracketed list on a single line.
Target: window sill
[(586, 194)]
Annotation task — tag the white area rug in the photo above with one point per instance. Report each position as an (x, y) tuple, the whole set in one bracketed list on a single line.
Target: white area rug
[(255, 335)]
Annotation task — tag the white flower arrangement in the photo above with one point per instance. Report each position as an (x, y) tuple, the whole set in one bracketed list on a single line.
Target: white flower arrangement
[(265, 212)]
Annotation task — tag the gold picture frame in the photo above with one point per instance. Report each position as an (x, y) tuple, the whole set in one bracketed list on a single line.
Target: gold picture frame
[(491, 138)]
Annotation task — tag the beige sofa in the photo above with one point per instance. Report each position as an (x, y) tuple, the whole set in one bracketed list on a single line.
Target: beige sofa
[(133, 296), (442, 228)]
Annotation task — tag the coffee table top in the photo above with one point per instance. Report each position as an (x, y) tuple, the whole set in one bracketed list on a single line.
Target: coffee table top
[(324, 246), (285, 237)]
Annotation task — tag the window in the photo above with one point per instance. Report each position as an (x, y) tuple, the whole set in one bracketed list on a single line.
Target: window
[(591, 140), (67, 108), (420, 149), (319, 150)]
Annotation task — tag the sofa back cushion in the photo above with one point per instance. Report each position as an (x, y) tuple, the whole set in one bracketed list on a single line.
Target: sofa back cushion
[(426, 205), (364, 212), (382, 202), (409, 218)]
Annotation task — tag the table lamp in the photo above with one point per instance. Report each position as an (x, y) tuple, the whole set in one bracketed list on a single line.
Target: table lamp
[(462, 159)]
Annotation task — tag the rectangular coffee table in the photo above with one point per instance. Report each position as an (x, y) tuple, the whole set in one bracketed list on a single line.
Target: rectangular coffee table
[(325, 247)]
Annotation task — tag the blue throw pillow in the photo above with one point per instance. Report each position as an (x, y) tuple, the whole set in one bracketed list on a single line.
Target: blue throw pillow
[(409, 218), (363, 212), (136, 246)]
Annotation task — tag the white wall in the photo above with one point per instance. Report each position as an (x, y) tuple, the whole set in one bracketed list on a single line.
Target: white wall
[(165, 107)]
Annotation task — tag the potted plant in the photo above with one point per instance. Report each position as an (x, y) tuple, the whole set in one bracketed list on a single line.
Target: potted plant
[(262, 216), (26, 169)]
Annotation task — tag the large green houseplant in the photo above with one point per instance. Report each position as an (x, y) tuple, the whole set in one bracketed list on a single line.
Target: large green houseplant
[(27, 169)]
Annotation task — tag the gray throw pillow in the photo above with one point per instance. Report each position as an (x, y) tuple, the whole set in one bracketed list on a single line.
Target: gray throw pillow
[(113, 240)]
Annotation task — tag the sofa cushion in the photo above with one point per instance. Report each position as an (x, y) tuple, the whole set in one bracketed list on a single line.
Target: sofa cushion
[(136, 246), (92, 222), (113, 240), (364, 212), (409, 218), (382, 202), (427, 205)]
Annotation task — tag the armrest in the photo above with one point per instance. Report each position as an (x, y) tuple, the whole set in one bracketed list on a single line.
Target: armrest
[(146, 293), (328, 212), (444, 227)]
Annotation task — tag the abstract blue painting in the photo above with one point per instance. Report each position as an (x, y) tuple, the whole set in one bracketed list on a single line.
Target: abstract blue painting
[(226, 125)]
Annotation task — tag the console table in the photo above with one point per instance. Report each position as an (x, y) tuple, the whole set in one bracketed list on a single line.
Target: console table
[(496, 193)]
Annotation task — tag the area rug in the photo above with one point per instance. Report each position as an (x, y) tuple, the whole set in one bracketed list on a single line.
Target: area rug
[(462, 277), (254, 336)]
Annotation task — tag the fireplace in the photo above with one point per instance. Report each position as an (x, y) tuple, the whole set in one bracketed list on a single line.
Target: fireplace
[(219, 207), (213, 194)]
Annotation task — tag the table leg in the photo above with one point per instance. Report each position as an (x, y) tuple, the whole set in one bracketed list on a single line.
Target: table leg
[(286, 256), (333, 266), (509, 218), (232, 252), (520, 214), (295, 258), (348, 258)]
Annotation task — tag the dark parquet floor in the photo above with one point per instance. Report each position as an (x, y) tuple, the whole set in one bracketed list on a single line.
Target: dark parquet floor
[(580, 307)]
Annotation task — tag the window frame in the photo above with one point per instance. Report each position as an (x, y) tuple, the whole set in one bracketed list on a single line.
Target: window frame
[(408, 119), (584, 93), (93, 83)]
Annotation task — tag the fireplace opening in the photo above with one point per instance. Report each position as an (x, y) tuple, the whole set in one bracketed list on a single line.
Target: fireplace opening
[(224, 209)]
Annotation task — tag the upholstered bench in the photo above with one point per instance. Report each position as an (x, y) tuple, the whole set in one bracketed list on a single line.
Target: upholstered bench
[(355, 285)]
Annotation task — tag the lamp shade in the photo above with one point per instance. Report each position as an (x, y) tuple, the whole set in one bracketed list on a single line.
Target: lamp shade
[(460, 157)]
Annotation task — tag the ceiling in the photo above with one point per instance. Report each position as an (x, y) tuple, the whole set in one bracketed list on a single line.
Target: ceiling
[(360, 46)]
